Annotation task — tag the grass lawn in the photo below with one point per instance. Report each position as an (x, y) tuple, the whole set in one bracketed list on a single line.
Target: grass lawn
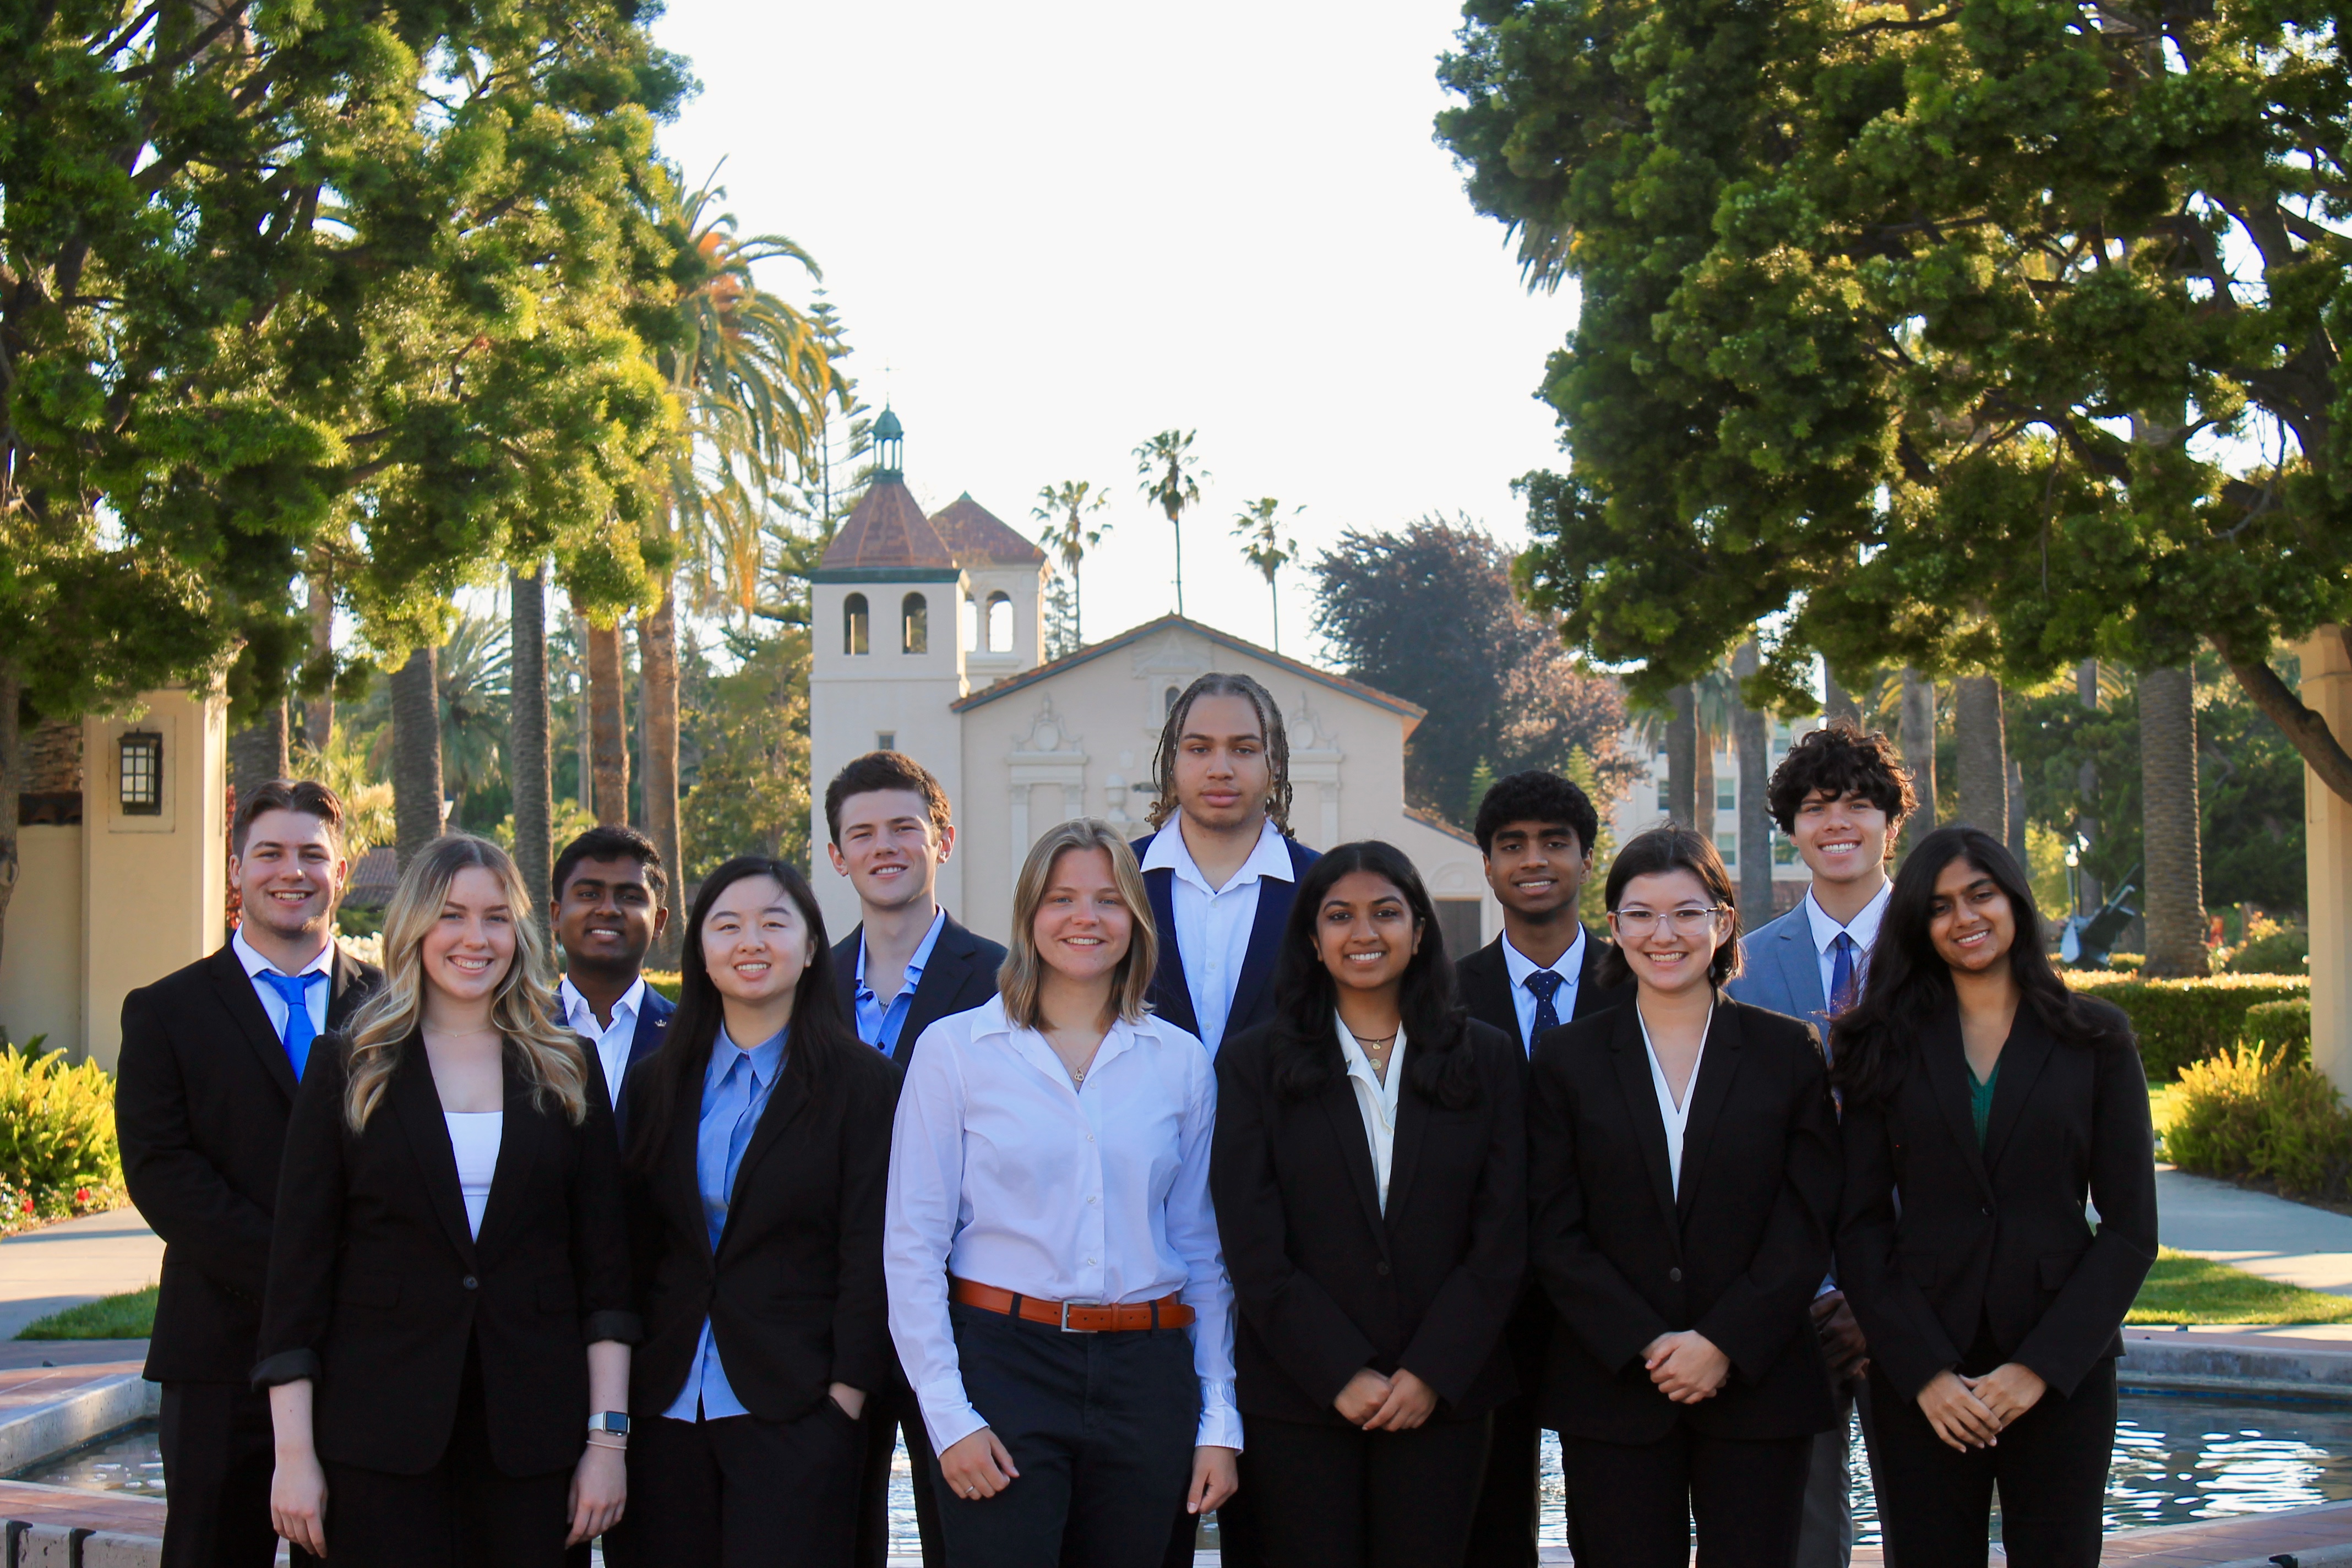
[(130, 1316), (2185, 1289)]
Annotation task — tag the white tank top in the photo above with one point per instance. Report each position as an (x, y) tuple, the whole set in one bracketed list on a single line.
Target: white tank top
[(474, 1139)]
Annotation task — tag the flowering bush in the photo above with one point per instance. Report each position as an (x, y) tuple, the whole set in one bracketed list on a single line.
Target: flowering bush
[(58, 1157)]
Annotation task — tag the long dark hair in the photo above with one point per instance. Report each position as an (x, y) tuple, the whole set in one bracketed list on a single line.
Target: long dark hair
[(1305, 998), (820, 1036), (1873, 1042)]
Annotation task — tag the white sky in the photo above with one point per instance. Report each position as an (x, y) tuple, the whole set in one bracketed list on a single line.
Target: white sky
[(1062, 227)]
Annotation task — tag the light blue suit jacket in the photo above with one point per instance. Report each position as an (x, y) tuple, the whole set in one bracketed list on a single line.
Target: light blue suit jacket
[(1780, 969)]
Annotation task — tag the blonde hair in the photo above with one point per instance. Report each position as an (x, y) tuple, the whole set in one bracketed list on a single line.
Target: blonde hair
[(550, 1058), (1023, 972)]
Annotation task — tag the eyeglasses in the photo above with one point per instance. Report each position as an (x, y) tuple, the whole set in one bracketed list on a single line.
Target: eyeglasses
[(1681, 922)]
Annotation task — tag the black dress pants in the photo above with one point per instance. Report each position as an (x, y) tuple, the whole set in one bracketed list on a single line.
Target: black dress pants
[(1631, 1505), (1503, 1530), (741, 1492), (464, 1512), (2051, 1464), (218, 1455), (1101, 1429), (886, 1413), (1334, 1496)]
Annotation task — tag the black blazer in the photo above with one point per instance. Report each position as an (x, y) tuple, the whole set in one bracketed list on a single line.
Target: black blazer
[(377, 1292), (1738, 1256), (1998, 1240), (1172, 991), (1485, 977), (960, 975), (1326, 1283), (794, 1293), (202, 1094)]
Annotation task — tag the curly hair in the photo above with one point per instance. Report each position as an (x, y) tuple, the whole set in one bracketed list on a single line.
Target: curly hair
[(1844, 760), (1536, 796), (1269, 724)]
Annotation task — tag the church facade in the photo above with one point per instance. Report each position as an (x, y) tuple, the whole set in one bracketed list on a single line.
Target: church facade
[(928, 639)]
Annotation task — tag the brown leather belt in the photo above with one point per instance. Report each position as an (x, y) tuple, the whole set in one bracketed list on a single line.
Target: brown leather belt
[(1073, 1317)]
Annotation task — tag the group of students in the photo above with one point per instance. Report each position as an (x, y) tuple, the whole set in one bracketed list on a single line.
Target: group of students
[(1221, 1187)]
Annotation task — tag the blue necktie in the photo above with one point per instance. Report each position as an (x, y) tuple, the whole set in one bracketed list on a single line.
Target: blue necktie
[(1546, 985), (294, 990), (1842, 975)]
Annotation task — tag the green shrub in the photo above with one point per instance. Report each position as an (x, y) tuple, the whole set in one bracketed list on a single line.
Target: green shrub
[(2246, 1113), (2271, 948), (56, 1123), (2284, 1029), (2184, 1021)]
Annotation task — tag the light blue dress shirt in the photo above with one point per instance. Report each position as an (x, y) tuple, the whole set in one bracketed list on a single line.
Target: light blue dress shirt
[(735, 1090), (877, 1025)]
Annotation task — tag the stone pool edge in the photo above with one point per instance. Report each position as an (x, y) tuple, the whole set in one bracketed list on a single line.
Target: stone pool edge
[(2202, 1365), (76, 1417)]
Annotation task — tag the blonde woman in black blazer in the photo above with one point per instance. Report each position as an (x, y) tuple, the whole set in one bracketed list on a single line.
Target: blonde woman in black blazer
[(1683, 1178), (449, 1298)]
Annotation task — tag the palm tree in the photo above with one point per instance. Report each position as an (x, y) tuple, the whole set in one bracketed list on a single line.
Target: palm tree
[(1063, 508), (1264, 548), (1918, 736), (1983, 754), (1171, 479), (2175, 879), (530, 766), (416, 755), (1752, 741)]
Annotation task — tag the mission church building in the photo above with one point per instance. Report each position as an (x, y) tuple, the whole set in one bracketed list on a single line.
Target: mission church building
[(929, 639)]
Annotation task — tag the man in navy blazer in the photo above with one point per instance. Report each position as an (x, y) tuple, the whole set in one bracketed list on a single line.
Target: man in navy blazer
[(607, 910), (1841, 797)]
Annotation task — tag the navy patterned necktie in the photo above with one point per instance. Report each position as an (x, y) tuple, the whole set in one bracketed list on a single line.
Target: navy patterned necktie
[(1842, 975), (1546, 985)]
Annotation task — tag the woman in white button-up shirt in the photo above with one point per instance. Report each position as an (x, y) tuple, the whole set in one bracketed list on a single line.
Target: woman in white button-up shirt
[(1057, 1292)]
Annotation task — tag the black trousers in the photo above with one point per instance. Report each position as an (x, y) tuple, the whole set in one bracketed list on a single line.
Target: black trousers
[(1631, 1505), (218, 1455), (741, 1492), (1503, 1530), (886, 1413), (464, 1512), (1101, 1429), (2051, 1464), (1334, 1496)]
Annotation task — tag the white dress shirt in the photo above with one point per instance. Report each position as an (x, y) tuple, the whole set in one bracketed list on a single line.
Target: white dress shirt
[(1213, 924), (1569, 967), (315, 998), (474, 1139), (1676, 1117), (1004, 1174), (1376, 1101), (612, 1040), (1862, 928)]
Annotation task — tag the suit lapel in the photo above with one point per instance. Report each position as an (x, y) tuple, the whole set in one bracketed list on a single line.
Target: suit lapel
[(784, 1102), (1339, 1102), (1591, 996), (653, 1028), (1172, 991), (1486, 990), (234, 988), (845, 974), (2022, 1057), (1709, 1091), (942, 980), (1274, 900), (417, 1105), (1412, 1130), (521, 1132), (1631, 1060), (1801, 968), (1947, 1065), (349, 986)]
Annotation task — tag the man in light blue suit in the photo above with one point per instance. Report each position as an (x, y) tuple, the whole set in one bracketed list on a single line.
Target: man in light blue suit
[(1841, 797)]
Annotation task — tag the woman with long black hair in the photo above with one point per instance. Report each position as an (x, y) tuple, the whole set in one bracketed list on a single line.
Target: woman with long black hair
[(1370, 1178), (758, 1153), (1984, 1102)]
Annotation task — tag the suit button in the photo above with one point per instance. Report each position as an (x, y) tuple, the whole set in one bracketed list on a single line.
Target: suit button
[(1381, 1269), (471, 1283), (1675, 1275), (1987, 1213)]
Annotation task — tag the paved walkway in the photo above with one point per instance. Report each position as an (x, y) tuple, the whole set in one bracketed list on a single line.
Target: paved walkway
[(47, 1271), (2290, 1242)]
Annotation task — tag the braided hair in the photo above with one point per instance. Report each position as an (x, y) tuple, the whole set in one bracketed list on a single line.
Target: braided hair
[(1269, 723)]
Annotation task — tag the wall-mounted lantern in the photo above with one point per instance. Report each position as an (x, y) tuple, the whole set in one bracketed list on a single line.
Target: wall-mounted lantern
[(142, 773)]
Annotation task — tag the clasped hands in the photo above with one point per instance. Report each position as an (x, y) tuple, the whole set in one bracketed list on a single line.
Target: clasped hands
[(1381, 1402), (1970, 1412), (1686, 1366)]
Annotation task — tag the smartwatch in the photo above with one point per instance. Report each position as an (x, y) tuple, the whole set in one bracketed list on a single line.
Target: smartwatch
[(614, 1421)]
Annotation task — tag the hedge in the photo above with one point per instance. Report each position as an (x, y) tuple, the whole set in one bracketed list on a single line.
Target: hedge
[(2184, 1021)]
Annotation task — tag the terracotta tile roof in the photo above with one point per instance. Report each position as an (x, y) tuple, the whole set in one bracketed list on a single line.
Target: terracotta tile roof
[(888, 530), (979, 537)]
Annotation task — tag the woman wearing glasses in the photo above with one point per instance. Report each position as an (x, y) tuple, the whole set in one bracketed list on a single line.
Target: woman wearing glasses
[(1995, 1101), (1683, 1172)]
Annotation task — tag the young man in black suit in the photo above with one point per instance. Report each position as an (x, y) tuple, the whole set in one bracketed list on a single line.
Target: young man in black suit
[(906, 965), (607, 911), (211, 1056), (1535, 832)]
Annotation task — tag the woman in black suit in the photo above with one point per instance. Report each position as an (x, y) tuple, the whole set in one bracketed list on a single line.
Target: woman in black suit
[(1995, 1101), (758, 1153), (445, 1336), (1683, 1176), (1369, 1179)]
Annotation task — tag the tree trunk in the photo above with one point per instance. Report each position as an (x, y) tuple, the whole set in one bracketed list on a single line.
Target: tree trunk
[(319, 714), (1681, 756), (2174, 879), (2018, 848), (415, 754), (1837, 702), (529, 763), (256, 753), (1919, 752), (1983, 754), (12, 788), (1703, 796), (1752, 735), (2087, 786), (583, 724), (608, 723), (657, 656)]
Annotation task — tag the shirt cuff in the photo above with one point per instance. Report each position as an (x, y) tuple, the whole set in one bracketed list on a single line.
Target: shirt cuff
[(947, 1416), (1221, 1423)]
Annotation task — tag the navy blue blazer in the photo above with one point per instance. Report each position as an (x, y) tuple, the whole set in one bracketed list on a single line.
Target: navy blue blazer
[(653, 1028), (1172, 994), (960, 976)]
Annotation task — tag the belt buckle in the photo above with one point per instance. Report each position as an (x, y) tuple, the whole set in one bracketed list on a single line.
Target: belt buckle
[(1066, 1317)]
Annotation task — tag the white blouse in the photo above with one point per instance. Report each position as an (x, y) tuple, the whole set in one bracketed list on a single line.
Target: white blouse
[(1676, 1117), (473, 1137), (1376, 1101), (1005, 1174)]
